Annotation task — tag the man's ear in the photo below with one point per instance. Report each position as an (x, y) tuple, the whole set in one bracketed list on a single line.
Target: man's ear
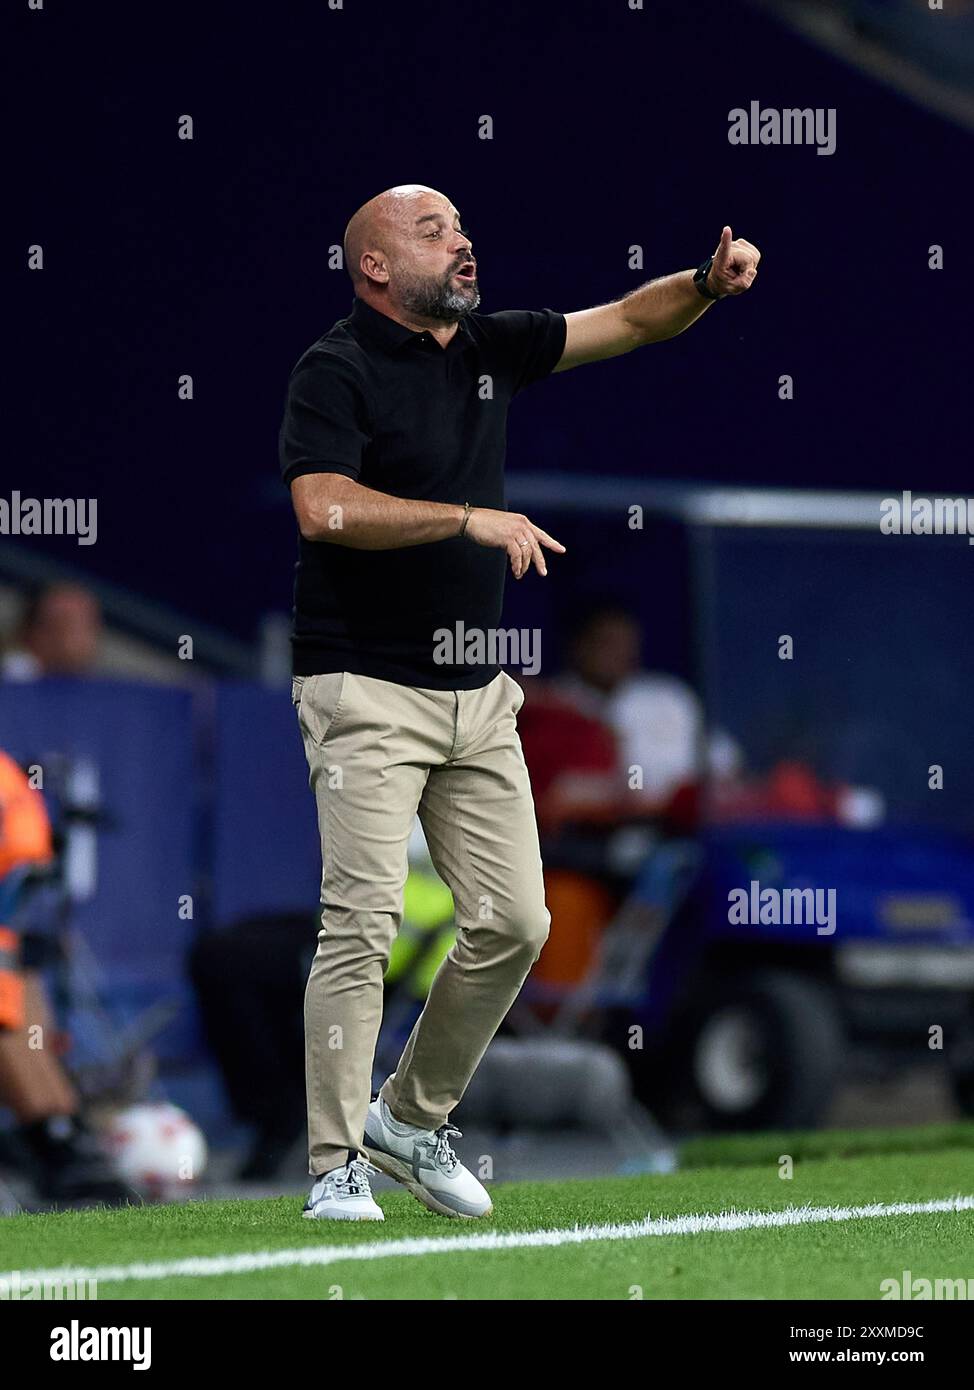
[(375, 268)]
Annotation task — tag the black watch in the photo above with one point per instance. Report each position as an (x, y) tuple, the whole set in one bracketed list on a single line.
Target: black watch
[(700, 279)]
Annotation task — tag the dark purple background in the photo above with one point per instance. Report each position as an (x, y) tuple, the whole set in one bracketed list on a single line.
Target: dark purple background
[(610, 128)]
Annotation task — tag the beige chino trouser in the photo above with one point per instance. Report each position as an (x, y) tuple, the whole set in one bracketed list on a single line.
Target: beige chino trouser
[(379, 753)]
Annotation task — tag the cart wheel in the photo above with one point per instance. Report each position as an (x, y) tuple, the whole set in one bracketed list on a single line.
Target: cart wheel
[(762, 1052)]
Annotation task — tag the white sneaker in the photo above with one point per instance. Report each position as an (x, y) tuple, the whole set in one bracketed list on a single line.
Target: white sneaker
[(344, 1194), (423, 1161)]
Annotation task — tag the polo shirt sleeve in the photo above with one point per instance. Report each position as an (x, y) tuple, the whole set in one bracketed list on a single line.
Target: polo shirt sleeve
[(326, 420), (528, 343)]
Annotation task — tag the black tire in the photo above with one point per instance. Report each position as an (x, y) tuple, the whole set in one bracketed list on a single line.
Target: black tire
[(761, 1052)]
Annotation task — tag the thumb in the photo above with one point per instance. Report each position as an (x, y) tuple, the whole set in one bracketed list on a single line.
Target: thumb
[(723, 246)]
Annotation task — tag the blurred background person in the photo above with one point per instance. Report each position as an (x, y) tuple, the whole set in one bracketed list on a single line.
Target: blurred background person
[(656, 717), (609, 746), (50, 1143), (59, 633)]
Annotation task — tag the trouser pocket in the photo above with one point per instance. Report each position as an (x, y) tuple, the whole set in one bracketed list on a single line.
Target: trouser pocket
[(318, 700)]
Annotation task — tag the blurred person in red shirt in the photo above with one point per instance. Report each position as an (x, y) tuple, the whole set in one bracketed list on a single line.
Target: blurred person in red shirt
[(608, 745)]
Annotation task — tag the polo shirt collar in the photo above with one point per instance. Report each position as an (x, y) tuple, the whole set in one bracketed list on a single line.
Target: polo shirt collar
[(389, 332)]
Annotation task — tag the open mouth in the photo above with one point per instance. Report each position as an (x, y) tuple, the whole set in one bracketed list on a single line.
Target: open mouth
[(467, 272)]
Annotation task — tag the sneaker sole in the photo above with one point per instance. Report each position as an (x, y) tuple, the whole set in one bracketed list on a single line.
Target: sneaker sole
[(394, 1168)]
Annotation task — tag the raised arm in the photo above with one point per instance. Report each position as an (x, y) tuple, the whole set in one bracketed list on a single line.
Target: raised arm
[(659, 310)]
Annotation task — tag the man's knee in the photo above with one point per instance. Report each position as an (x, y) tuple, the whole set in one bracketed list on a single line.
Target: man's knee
[(357, 935), (531, 928)]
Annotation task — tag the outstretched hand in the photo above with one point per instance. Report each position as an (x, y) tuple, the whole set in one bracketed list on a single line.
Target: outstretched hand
[(735, 265)]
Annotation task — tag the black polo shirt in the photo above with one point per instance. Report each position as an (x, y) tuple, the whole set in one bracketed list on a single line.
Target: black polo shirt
[(377, 402)]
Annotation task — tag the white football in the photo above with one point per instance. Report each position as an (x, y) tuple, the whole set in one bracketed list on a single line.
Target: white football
[(156, 1148)]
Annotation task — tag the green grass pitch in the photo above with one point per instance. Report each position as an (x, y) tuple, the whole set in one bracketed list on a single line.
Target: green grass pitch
[(819, 1260)]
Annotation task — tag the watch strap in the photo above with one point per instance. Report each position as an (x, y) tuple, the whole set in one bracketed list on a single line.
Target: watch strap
[(700, 279)]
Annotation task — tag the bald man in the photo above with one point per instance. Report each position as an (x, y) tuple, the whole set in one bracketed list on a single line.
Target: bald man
[(393, 448)]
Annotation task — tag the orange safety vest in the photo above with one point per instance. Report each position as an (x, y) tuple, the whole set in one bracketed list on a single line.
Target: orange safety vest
[(25, 838), (25, 831)]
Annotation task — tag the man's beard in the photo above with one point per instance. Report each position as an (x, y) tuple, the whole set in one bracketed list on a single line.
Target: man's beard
[(438, 299)]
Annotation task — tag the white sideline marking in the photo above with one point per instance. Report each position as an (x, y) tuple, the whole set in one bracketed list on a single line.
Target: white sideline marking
[(207, 1266)]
